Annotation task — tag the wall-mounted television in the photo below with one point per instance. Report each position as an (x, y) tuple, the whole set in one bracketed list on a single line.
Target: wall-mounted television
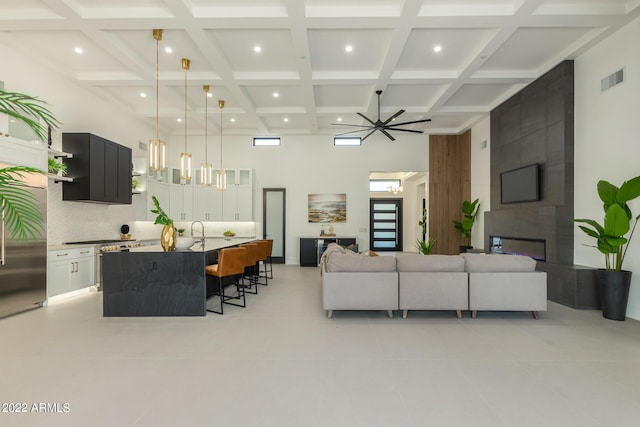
[(520, 185)]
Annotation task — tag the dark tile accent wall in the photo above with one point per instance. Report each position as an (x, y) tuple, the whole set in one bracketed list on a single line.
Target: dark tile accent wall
[(536, 126)]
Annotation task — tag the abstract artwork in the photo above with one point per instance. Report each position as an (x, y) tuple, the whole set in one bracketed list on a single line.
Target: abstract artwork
[(327, 208)]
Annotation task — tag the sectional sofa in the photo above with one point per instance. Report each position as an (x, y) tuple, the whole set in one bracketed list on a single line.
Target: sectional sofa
[(474, 282)]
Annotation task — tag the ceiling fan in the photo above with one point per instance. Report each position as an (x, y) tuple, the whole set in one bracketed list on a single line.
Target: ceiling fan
[(381, 126)]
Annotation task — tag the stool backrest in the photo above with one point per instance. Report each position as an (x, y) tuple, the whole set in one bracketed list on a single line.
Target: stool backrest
[(270, 243), (264, 249), (253, 253), (231, 261)]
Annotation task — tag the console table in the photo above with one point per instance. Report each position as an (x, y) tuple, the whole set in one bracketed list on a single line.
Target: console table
[(312, 248)]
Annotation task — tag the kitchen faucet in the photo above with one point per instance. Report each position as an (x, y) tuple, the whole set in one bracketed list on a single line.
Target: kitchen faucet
[(201, 240)]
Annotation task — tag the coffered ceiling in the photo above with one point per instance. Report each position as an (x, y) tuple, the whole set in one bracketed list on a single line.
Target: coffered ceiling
[(489, 50)]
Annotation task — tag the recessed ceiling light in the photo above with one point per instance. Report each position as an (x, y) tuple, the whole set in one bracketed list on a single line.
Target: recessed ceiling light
[(78, 50), (276, 94), (286, 119), (209, 94), (168, 49), (179, 120), (339, 119), (143, 95), (257, 49), (348, 48), (232, 120), (437, 48)]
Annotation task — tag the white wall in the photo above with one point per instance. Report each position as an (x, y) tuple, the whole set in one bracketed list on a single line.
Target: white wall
[(607, 142), (80, 111), (311, 164), (480, 177), (302, 165)]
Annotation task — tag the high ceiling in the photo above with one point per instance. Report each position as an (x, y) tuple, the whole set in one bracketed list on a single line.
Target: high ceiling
[(490, 49)]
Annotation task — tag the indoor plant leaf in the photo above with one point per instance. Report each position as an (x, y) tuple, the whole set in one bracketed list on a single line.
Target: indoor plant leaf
[(629, 190), (616, 222), (18, 205), (607, 193), (28, 110)]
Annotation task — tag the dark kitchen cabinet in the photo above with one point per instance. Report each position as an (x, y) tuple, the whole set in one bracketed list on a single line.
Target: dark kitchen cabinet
[(101, 169), (312, 248)]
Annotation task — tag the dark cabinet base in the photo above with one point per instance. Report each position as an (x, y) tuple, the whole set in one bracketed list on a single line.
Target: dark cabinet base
[(154, 284), (571, 285)]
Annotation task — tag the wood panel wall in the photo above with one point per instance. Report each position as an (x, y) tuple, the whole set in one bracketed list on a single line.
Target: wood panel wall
[(449, 186)]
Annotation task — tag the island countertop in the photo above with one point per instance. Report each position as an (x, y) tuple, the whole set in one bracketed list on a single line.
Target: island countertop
[(211, 244)]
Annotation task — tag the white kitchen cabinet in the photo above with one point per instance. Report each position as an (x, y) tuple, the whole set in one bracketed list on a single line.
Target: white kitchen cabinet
[(69, 270), (180, 202), (161, 191), (237, 199), (23, 153), (207, 204)]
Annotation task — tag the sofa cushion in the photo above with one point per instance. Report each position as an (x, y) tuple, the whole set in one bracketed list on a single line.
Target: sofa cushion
[(478, 263), (345, 262), (418, 262)]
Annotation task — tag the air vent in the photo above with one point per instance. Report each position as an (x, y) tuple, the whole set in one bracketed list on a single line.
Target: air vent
[(612, 80), (142, 146)]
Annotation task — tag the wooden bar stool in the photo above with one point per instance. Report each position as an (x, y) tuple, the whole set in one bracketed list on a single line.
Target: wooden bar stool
[(253, 253), (229, 269)]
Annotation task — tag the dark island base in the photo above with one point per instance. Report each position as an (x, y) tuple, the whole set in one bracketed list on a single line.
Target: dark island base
[(154, 284)]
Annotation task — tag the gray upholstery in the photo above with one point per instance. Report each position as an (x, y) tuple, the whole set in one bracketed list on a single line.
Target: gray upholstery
[(433, 291), (508, 291), (505, 283), (418, 262), (478, 263), (347, 262), (360, 290)]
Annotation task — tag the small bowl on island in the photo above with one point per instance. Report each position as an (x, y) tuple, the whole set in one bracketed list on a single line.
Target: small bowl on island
[(184, 243)]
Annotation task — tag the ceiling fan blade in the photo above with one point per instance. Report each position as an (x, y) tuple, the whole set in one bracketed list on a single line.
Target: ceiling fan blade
[(345, 124), (393, 117), (366, 118), (404, 130), (354, 131), (367, 135), (409, 123), (387, 134)]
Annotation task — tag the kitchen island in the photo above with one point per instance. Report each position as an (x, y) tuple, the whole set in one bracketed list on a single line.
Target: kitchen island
[(146, 281)]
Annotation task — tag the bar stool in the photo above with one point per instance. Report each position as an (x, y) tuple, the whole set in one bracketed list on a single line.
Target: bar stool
[(230, 266), (262, 258), (253, 253), (269, 271)]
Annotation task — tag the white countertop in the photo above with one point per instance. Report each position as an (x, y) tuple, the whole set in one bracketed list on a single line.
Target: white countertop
[(211, 244)]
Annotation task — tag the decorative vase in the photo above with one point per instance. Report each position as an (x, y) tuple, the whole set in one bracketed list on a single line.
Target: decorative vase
[(614, 293), (168, 238)]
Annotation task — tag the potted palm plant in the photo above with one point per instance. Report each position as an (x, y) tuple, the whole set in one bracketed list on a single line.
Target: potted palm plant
[(611, 241), (469, 212), (19, 207)]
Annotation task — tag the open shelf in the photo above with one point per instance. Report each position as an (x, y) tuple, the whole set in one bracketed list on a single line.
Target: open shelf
[(60, 154), (58, 178)]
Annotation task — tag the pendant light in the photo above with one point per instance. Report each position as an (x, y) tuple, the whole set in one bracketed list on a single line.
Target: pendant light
[(221, 176), (157, 148), (206, 169), (185, 157)]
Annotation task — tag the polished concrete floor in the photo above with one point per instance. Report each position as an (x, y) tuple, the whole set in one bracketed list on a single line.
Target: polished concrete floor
[(281, 362)]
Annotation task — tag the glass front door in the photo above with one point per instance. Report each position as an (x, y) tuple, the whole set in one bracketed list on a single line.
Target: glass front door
[(386, 224)]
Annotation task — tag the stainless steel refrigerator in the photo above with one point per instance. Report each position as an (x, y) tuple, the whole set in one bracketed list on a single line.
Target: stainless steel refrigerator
[(23, 263)]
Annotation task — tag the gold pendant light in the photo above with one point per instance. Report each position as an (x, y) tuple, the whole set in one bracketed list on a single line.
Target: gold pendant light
[(206, 169), (185, 157), (157, 148), (221, 176)]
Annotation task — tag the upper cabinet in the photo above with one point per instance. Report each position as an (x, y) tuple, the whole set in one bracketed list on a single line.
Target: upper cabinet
[(101, 169)]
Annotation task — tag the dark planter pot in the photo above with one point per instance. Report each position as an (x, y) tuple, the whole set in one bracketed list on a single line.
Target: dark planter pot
[(464, 249), (614, 293)]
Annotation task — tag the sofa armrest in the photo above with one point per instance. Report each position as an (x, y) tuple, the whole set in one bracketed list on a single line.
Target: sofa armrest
[(360, 290), (518, 291)]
